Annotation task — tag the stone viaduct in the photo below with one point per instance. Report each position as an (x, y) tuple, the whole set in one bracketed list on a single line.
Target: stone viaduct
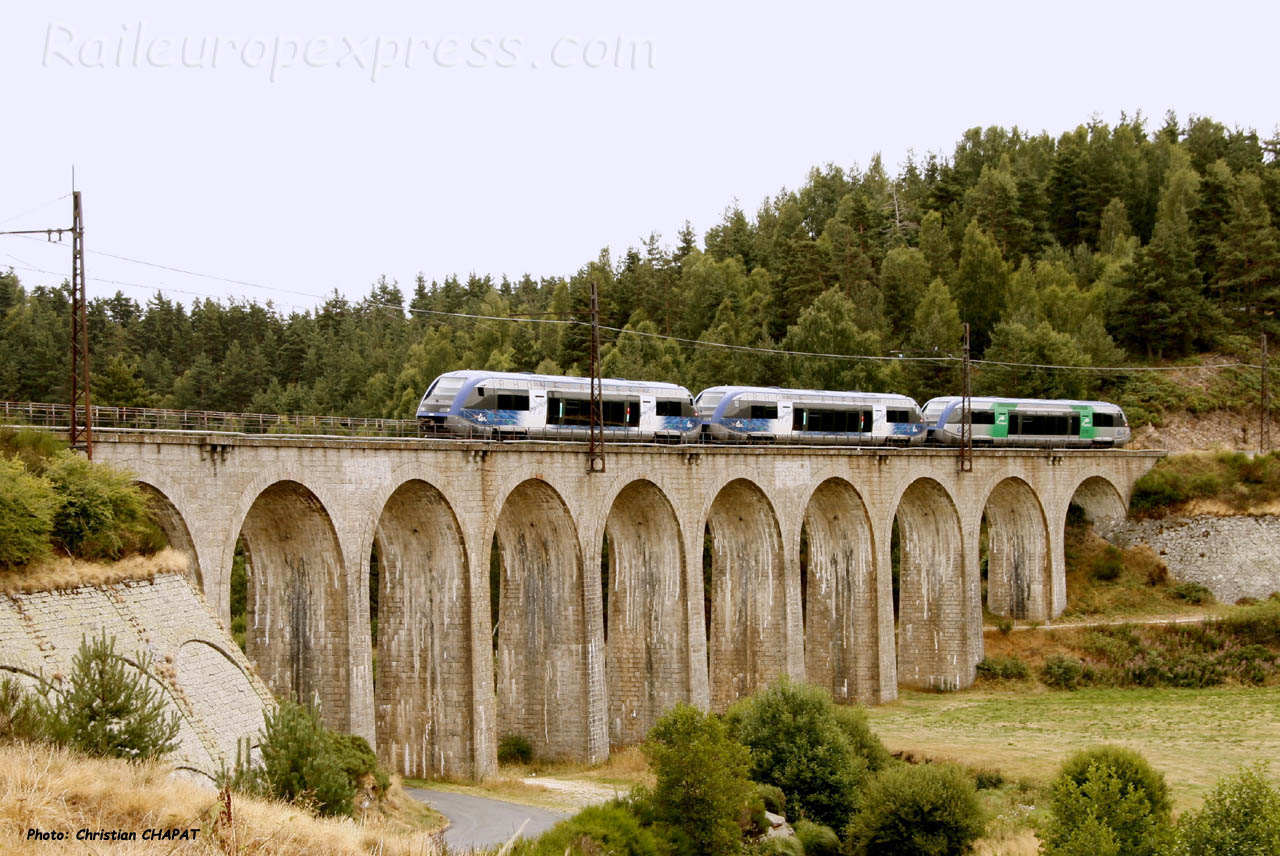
[(726, 567)]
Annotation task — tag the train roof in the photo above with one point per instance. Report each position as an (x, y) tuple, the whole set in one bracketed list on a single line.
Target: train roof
[(848, 395), (565, 380), (946, 400)]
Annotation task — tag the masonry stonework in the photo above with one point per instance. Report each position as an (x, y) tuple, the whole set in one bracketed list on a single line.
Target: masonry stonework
[(199, 672), (313, 510)]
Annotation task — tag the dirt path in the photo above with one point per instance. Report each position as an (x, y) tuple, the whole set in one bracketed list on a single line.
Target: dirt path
[(1196, 618)]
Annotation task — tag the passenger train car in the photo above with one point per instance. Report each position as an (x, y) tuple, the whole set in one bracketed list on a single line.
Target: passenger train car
[(507, 405), (1028, 422), (747, 414)]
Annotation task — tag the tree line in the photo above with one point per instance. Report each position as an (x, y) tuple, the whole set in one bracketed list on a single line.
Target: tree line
[(1107, 245)]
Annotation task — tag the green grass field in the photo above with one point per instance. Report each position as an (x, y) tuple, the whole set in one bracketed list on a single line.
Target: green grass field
[(1194, 737)]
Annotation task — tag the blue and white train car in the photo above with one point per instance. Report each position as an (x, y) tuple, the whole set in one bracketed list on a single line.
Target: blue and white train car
[(1053, 423), (748, 414), (508, 405)]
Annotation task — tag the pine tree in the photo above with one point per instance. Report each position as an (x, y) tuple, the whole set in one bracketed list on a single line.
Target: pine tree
[(1248, 255), (936, 332), (112, 709), (980, 285), (936, 247), (828, 326), (1163, 308), (904, 276)]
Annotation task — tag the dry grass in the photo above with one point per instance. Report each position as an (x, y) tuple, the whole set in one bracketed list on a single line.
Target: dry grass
[(52, 789), (62, 574), (1141, 589)]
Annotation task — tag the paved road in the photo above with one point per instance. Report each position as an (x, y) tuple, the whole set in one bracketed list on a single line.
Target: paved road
[(481, 822)]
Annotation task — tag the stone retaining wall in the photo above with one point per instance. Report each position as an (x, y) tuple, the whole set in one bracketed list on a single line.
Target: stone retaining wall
[(200, 670), (1233, 557)]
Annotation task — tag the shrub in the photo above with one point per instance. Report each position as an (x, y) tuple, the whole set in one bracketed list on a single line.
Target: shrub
[(986, 778), (1004, 669), (1192, 593), (797, 744), (1241, 815), (299, 763), (102, 514), (1005, 625), (773, 798), (357, 760), (1108, 794), (930, 810), (110, 708), (702, 785), (1108, 565), (515, 749), (817, 840), (27, 505), (778, 845), (1062, 672), (23, 715), (599, 830), (1254, 625), (853, 722)]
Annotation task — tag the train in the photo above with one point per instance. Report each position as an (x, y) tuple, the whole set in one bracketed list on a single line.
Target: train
[(519, 405), (1055, 423)]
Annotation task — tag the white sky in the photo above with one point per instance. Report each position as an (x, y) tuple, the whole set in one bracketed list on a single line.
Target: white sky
[(318, 175)]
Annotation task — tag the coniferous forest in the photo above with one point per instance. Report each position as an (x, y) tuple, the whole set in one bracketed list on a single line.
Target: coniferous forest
[(1109, 245)]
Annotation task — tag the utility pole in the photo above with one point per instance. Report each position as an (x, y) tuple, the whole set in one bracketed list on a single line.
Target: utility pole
[(966, 412), (595, 446), (80, 422), (81, 433), (1264, 426)]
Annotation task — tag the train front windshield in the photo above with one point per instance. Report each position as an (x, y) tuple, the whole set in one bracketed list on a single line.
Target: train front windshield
[(441, 394)]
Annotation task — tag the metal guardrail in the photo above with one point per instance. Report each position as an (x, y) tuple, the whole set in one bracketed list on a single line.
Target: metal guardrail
[(156, 419)]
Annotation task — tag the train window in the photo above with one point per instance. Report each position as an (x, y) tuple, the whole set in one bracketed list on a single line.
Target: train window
[(897, 415), (983, 417), (568, 411), (513, 401), (832, 421), (1104, 420), (623, 413), (1044, 424), (670, 407), (764, 411)]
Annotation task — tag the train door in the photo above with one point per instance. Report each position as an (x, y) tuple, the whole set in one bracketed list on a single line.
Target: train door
[(783, 425), (648, 415), (1086, 420), (1000, 426), (538, 411)]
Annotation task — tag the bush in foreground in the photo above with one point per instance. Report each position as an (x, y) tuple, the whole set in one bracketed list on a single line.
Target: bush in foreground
[(1108, 800), (27, 504), (816, 839), (299, 763), (1241, 817), (111, 709), (101, 514), (797, 744), (601, 830), (702, 788), (924, 810), (864, 742)]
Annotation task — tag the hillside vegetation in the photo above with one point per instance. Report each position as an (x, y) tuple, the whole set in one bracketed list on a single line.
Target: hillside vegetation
[(1221, 482), (1104, 245)]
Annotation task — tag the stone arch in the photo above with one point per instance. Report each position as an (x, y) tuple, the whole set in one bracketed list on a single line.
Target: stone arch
[(840, 638), (296, 618), (931, 613), (647, 633), (1100, 499), (422, 691), (543, 647), (166, 515), (747, 640), (1019, 575)]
